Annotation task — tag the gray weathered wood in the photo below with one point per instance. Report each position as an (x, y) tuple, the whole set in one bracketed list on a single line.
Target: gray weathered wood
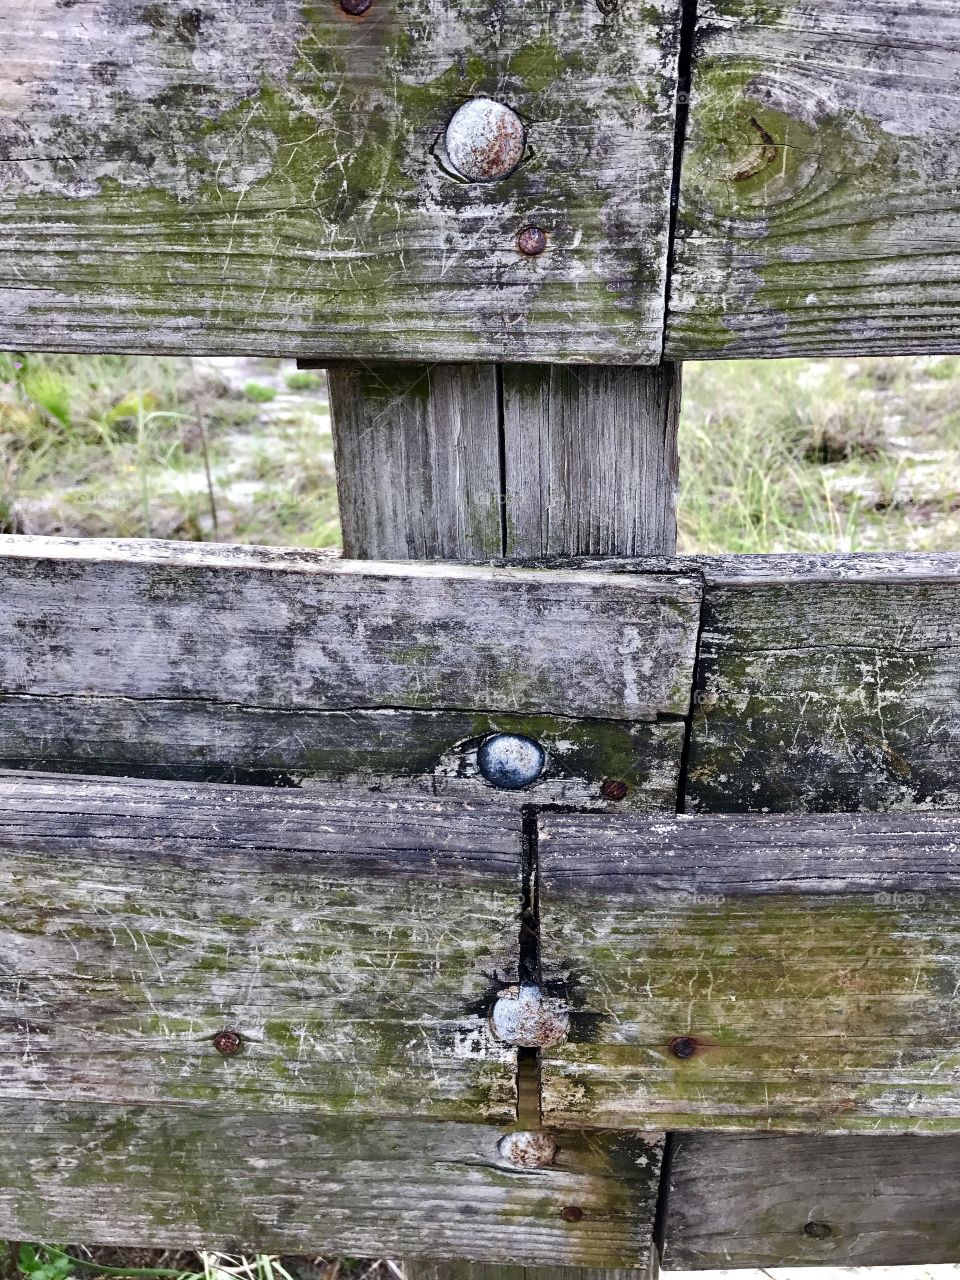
[(356, 945), (418, 461), (590, 460), (271, 178), (811, 961), (827, 685), (818, 202), (261, 628), (418, 1270), (237, 1180), (753, 1200)]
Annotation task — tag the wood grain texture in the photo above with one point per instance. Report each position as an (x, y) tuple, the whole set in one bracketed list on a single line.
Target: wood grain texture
[(590, 460), (818, 202), (356, 947), (418, 461), (271, 178), (419, 1270), (267, 629), (829, 686), (240, 1181), (811, 962), (753, 1200)]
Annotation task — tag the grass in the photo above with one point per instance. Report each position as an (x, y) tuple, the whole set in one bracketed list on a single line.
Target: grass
[(51, 1262), (842, 455)]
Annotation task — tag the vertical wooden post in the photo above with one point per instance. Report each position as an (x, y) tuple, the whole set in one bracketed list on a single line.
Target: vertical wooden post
[(478, 462), (472, 462)]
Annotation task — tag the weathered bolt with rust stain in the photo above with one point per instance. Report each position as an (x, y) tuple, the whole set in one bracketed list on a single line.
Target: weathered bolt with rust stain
[(485, 140), (572, 1213), (613, 789), (532, 241), (355, 8), (228, 1042), (524, 1017), (511, 760), (528, 1149)]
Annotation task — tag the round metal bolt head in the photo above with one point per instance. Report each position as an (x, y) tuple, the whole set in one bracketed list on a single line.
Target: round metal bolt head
[(528, 1149), (572, 1213), (355, 8), (228, 1043), (511, 761), (522, 1017), (485, 140), (532, 241)]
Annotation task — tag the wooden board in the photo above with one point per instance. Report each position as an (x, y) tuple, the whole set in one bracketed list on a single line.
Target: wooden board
[(356, 946), (754, 1200), (756, 972), (238, 1181), (241, 177), (818, 202), (827, 684), (253, 665)]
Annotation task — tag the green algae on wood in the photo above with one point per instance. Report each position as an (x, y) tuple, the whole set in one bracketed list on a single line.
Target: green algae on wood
[(355, 945), (818, 207), (753, 972), (236, 177)]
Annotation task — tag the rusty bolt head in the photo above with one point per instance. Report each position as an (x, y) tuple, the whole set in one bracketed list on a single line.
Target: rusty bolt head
[(683, 1046), (818, 1230), (528, 1149), (613, 789), (228, 1043), (510, 760), (485, 140), (355, 8), (572, 1213), (532, 241), (522, 1016)]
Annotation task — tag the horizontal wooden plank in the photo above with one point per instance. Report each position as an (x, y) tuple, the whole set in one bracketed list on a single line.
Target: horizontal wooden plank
[(238, 177), (818, 207), (180, 1177), (753, 972), (261, 628), (827, 686), (756, 1200), (356, 947), (430, 753)]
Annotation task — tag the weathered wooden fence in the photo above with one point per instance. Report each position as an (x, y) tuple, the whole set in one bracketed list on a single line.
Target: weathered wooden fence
[(552, 904)]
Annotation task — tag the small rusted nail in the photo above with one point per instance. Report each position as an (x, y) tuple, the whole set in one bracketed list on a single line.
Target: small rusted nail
[(683, 1046), (485, 140), (532, 241), (228, 1042), (355, 8), (613, 789), (528, 1149), (572, 1213), (818, 1230), (510, 760), (522, 1017)]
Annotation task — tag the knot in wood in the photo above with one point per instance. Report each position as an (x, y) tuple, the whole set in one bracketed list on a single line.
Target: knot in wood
[(523, 1017), (510, 760), (485, 140), (528, 1149)]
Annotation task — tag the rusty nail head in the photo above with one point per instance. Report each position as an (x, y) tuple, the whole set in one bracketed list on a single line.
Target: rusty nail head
[(613, 789), (818, 1230), (528, 1149), (532, 241), (572, 1213), (355, 8), (522, 1017), (683, 1046), (485, 140), (228, 1043)]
